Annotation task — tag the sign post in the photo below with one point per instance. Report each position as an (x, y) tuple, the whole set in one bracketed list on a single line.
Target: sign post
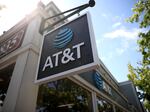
[(67, 50)]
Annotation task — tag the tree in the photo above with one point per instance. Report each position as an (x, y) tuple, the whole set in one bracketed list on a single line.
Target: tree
[(140, 75)]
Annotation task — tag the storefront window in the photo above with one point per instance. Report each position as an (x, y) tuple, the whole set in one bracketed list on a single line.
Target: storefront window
[(120, 100), (118, 109), (63, 96), (104, 106), (5, 77)]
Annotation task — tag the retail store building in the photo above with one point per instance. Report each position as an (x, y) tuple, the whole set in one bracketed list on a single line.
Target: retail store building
[(90, 91)]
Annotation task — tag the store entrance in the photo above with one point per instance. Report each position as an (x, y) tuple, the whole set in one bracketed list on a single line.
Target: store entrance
[(5, 77)]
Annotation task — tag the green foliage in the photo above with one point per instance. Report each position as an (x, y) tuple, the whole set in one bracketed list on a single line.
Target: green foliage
[(141, 78), (140, 75), (141, 13), (147, 104)]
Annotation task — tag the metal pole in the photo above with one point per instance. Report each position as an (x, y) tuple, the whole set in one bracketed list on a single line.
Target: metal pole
[(76, 10)]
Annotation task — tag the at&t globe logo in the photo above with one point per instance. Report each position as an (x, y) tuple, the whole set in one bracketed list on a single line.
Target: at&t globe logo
[(63, 37)]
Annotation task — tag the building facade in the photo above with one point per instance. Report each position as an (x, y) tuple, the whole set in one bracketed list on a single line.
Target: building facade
[(92, 91)]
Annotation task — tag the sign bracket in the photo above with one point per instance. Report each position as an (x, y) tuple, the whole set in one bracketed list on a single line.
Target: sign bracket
[(75, 10)]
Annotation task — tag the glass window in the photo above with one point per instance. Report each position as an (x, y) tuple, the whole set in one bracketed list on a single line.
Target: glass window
[(104, 106), (5, 77), (118, 109), (120, 100), (63, 96)]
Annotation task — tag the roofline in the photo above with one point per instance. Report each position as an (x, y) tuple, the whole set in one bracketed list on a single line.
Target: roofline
[(106, 69)]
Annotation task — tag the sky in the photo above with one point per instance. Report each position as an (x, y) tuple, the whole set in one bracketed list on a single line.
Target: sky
[(116, 39)]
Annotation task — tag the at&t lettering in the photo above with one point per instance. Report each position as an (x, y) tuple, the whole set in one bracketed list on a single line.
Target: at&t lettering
[(68, 56)]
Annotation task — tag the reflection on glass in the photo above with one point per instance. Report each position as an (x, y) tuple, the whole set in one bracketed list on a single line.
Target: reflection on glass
[(118, 109), (63, 96), (104, 106)]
